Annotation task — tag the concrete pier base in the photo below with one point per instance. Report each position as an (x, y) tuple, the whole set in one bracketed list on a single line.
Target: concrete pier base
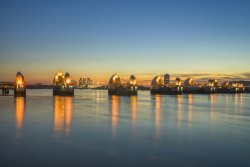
[(63, 91), (123, 91), (178, 90), (20, 93)]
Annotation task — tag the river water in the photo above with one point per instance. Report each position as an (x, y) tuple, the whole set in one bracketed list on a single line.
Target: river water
[(94, 129)]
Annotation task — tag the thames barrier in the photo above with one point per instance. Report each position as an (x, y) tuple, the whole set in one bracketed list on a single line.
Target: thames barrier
[(117, 86), (163, 85), (20, 86), (63, 85)]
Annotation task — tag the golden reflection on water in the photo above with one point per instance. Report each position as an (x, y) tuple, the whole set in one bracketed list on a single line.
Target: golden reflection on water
[(62, 114), (157, 116), (115, 114), (238, 102), (190, 109), (133, 113), (227, 103), (133, 107), (212, 106), (68, 112), (238, 107), (241, 102), (179, 112), (241, 98), (20, 110)]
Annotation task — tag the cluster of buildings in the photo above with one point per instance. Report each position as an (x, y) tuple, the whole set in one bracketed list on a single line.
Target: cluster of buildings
[(85, 82)]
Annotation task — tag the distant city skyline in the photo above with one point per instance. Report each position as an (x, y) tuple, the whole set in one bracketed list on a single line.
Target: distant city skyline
[(199, 39)]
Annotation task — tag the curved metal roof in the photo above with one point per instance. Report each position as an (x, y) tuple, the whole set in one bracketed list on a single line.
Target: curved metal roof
[(157, 82), (114, 80), (188, 82), (132, 80)]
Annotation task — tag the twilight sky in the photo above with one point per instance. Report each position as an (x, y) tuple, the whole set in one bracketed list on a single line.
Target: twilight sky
[(96, 38)]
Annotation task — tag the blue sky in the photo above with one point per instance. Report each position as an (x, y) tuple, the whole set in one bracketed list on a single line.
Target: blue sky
[(145, 38)]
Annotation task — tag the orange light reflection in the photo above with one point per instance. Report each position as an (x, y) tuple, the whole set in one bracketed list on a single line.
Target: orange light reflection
[(133, 112), (62, 114), (20, 110), (157, 116), (190, 109), (115, 114), (212, 112), (179, 112)]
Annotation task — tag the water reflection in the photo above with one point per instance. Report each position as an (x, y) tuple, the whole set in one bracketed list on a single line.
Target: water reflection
[(115, 114), (179, 112), (133, 113), (238, 108), (190, 109), (20, 111), (235, 100), (241, 102), (226, 141), (238, 98), (157, 116), (62, 114), (212, 106), (227, 102)]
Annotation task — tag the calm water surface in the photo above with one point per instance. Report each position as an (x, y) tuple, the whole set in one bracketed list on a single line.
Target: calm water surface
[(94, 129)]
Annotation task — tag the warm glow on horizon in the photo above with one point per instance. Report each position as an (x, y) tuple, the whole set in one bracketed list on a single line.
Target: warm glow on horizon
[(141, 79)]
